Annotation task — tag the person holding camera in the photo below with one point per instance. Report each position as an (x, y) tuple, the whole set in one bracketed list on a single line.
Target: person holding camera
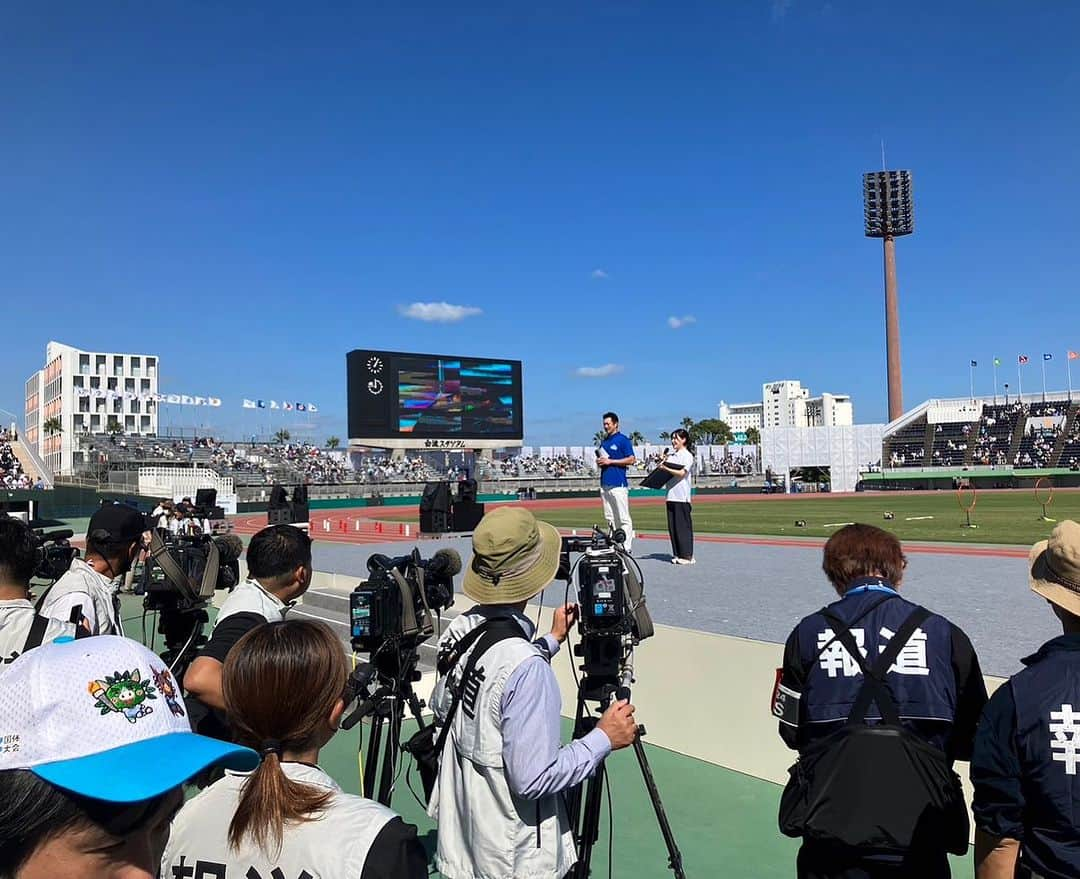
[(879, 696), (615, 454), (90, 588), (679, 522), (1027, 748), (96, 748), (283, 687), (499, 798), (21, 627), (279, 572)]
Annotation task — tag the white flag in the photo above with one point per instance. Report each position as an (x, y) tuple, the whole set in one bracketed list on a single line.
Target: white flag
[(249, 404)]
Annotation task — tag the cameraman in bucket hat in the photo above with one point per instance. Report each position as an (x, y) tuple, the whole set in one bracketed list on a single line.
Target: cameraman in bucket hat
[(1026, 765), (503, 769)]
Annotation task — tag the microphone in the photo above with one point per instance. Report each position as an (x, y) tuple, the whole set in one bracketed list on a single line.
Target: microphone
[(230, 547), (445, 561)]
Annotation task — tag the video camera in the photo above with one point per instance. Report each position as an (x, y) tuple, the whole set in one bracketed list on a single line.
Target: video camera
[(182, 573), (394, 605), (610, 591), (54, 553)]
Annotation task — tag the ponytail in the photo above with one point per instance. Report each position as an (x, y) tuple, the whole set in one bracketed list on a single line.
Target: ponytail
[(282, 682), (269, 801)]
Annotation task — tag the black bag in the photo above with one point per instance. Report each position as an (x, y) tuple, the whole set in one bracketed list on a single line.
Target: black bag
[(879, 789), (426, 745)]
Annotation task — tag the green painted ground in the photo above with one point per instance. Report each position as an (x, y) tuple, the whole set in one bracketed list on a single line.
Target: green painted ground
[(1010, 517)]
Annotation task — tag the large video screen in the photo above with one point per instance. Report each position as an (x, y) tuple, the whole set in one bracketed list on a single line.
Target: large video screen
[(433, 396)]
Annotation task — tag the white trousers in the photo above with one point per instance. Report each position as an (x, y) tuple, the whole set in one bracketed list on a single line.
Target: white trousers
[(617, 511)]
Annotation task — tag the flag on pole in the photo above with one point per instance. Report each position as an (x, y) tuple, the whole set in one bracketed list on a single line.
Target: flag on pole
[(262, 404), (286, 406), (974, 362), (213, 401), (1048, 357), (1022, 359), (300, 407), (1074, 355), (997, 361), (274, 405), (311, 407), (249, 404)]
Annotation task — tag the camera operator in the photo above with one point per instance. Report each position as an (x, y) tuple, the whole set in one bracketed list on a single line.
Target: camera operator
[(279, 572), (90, 588), (91, 775), (870, 660), (498, 799), (283, 687), (21, 629)]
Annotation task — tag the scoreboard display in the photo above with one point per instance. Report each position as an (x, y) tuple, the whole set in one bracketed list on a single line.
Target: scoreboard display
[(395, 395)]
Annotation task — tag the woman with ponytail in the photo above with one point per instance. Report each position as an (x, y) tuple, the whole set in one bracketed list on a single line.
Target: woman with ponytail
[(283, 684)]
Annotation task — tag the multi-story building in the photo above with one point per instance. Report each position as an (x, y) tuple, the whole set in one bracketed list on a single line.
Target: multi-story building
[(788, 404), (88, 392)]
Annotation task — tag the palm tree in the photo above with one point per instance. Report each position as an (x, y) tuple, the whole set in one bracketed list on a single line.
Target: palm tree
[(637, 438), (688, 424), (332, 442), (753, 436), (664, 436), (599, 437), (113, 427), (52, 425), (282, 436)]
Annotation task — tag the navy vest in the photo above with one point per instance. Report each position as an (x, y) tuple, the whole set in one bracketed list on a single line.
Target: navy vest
[(1047, 699), (922, 679)]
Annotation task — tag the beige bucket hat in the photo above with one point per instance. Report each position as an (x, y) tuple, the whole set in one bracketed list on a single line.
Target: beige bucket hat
[(514, 557), (1055, 567)]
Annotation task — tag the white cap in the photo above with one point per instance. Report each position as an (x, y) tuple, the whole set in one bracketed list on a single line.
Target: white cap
[(103, 717)]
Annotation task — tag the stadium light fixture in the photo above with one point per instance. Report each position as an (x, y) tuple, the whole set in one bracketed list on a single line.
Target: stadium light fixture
[(887, 213)]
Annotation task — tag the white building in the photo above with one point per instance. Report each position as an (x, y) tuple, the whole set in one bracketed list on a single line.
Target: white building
[(788, 404), (87, 391)]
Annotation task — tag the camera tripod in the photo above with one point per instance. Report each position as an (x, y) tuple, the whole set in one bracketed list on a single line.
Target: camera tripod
[(584, 806), (183, 631), (394, 673)]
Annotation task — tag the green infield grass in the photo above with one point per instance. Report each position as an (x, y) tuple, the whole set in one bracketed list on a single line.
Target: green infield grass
[(1004, 517)]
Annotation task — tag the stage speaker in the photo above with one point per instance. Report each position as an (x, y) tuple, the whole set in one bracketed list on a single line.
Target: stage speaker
[(299, 510), (279, 516), (206, 497), (467, 515), (278, 497), (434, 522), (300, 494), (436, 498), (467, 491)]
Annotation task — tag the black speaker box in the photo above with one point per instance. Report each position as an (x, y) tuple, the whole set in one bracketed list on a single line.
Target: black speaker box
[(436, 498), (278, 498), (434, 522), (299, 511), (467, 491), (279, 516), (206, 497), (467, 515)]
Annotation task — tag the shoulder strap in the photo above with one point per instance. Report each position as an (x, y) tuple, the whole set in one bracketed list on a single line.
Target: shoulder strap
[(37, 632), (840, 626), (881, 669), (41, 599), (495, 630)]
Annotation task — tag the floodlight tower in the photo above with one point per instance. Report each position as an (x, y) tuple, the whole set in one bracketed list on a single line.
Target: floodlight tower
[(887, 212)]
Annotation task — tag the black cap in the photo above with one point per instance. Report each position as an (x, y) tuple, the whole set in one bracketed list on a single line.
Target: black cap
[(120, 523)]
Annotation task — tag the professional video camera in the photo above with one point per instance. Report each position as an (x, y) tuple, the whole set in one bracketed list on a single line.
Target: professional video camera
[(54, 553), (179, 578), (394, 605)]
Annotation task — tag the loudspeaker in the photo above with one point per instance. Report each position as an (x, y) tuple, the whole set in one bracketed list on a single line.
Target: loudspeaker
[(300, 494), (299, 510), (434, 522), (467, 515), (279, 516), (436, 497), (467, 491), (278, 498), (206, 497)]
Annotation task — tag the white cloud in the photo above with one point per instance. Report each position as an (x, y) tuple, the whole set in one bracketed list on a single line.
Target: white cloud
[(599, 275), (604, 371), (439, 312), (677, 323)]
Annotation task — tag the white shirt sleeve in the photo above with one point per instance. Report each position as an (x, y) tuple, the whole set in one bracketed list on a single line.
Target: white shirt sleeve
[(63, 606)]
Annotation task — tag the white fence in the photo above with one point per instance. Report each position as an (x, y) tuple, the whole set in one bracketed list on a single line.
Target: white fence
[(181, 482)]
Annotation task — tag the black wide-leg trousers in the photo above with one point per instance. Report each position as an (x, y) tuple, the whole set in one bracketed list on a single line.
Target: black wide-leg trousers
[(680, 528)]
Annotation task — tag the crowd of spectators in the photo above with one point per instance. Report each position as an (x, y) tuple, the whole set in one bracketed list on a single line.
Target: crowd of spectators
[(12, 475)]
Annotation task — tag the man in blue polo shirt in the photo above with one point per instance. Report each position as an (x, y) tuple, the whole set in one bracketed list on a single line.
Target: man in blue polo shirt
[(615, 454), (1026, 766)]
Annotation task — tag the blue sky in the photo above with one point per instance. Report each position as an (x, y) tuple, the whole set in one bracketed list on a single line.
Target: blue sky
[(251, 190)]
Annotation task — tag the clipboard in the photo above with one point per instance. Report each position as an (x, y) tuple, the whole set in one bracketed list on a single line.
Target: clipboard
[(660, 477)]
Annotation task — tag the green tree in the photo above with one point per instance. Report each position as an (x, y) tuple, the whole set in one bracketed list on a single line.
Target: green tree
[(711, 432), (687, 424), (282, 436), (637, 438), (753, 436), (599, 437), (112, 427), (51, 426), (332, 442), (664, 436)]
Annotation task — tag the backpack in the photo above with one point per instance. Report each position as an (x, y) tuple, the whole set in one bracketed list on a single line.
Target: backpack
[(877, 788)]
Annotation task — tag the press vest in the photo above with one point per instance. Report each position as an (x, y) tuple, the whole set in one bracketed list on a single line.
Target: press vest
[(101, 591), (250, 597), (485, 830), (16, 618), (1047, 699), (922, 679), (333, 846)]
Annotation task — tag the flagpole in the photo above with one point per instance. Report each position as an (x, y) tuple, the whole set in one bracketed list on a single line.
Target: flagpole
[(995, 380), (1044, 378), (972, 371), (1068, 372), (1019, 381)]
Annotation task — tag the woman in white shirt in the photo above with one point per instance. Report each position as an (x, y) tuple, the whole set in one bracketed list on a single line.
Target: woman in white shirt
[(680, 524), (283, 684)]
